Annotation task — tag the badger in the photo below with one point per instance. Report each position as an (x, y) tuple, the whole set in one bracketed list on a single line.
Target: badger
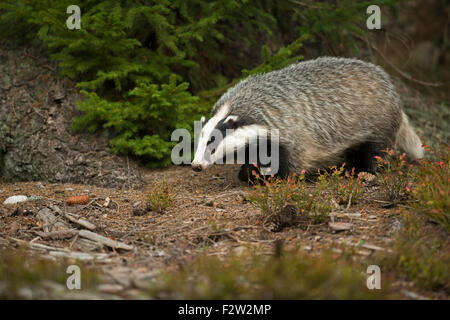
[(327, 111)]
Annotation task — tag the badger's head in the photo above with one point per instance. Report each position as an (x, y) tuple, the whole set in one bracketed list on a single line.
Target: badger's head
[(226, 132)]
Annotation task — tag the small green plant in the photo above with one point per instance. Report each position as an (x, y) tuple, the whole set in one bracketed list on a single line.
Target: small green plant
[(335, 186), (431, 189), (345, 187), (272, 194), (393, 175), (160, 198), (144, 122), (316, 201)]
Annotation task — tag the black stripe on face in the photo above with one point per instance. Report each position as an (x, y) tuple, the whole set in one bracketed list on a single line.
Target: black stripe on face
[(223, 126)]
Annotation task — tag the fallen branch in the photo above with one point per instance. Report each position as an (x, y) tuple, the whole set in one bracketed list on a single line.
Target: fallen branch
[(80, 221), (36, 246), (104, 240), (368, 246), (83, 256), (58, 235), (63, 252), (50, 220)]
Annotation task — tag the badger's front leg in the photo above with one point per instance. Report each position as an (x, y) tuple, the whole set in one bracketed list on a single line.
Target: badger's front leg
[(275, 162)]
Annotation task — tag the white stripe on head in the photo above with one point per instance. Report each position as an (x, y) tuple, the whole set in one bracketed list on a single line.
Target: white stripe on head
[(238, 139), (205, 135), (231, 118)]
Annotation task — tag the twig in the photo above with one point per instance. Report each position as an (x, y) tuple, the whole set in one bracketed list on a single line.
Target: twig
[(83, 256), (128, 173), (50, 219), (36, 246), (90, 202), (58, 235), (80, 221), (349, 200), (74, 240), (13, 105), (103, 240)]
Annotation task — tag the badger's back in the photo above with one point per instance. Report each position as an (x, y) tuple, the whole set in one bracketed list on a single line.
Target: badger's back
[(319, 97), (321, 107)]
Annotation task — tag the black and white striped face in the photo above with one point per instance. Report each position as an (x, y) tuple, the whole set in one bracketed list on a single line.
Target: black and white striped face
[(224, 134)]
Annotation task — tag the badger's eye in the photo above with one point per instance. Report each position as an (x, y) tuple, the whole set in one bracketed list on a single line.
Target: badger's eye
[(211, 140)]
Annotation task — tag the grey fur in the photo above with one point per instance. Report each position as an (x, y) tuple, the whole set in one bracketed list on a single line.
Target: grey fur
[(323, 108)]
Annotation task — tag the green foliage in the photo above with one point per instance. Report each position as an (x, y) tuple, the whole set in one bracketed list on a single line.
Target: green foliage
[(421, 254), (426, 186), (284, 57), (127, 55), (336, 22), (144, 122), (294, 275), (19, 270), (345, 186), (160, 197)]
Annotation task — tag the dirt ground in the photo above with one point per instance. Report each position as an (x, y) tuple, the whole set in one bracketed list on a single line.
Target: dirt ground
[(209, 215)]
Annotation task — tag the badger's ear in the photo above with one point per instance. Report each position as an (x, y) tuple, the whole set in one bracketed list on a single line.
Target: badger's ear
[(230, 120)]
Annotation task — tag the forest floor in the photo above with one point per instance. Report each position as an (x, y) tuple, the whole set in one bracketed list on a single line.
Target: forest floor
[(188, 250), (209, 216)]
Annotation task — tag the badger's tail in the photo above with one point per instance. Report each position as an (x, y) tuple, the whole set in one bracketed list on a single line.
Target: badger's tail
[(407, 140)]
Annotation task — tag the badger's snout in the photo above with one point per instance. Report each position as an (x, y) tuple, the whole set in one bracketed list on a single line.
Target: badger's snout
[(198, 166)]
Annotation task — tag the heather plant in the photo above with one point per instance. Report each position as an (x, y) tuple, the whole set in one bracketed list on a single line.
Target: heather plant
[(272, 194), (344, 185), (160, 197), (315, 201), (431, 189), (393, 175)]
